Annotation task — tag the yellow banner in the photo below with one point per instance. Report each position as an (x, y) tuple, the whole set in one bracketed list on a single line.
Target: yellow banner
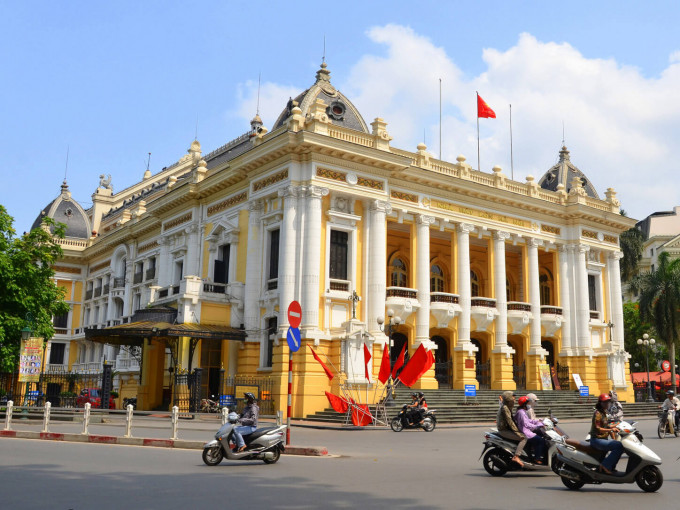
[(546, 380), (30, 361)]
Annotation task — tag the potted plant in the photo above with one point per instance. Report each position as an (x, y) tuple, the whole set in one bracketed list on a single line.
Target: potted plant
[(68, 398)]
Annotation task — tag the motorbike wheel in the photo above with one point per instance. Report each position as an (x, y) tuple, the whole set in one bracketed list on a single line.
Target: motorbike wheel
[(649, 479), (213, 456), (396, 424), (277, 456), (661, 430), (555, 464), (491, 466), (429, 425), (572, 485)]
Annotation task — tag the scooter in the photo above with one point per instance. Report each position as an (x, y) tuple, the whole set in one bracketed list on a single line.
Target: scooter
[(577, 463), (401, 421), (666, 424), (209, 406), (498, 451), (264, 444)]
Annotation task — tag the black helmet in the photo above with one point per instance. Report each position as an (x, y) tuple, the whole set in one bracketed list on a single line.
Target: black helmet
[(670, 392), (414, 395), (421, 394), (250, 397)]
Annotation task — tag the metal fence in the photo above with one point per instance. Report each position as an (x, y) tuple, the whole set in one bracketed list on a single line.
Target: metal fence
[(443, 373), (61, 389), (563, 376), (233, 388), (187, 391), (484, 375)]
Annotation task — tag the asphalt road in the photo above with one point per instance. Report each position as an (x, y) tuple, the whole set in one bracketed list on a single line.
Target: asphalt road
[(372, 469)]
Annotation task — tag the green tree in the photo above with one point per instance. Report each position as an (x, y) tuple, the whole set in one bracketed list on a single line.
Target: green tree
[(660, 302), (634, 328), (27, 286), (631, 242)]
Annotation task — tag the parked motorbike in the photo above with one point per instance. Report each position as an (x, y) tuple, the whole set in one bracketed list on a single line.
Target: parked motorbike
[(130, 401), (666, 425), (577, 463), (401, 420), (209, 406), (266, 444), (499, 451)]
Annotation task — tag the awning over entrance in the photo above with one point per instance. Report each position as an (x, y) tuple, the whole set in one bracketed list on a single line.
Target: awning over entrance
[(133, 333)]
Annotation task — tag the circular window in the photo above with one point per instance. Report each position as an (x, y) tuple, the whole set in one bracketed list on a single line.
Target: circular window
[(336, 110), (69, 212)]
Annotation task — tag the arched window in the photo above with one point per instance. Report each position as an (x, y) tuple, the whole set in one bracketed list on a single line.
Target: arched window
[(474, 284), (398, 275), (436, 279), (545, 282)]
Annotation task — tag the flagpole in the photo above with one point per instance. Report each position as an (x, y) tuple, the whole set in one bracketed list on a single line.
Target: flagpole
[(477, 130), (512, 165), (440, 118)]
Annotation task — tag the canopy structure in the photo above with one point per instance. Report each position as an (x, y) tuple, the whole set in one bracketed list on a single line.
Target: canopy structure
[(133, 333), (656, 377)]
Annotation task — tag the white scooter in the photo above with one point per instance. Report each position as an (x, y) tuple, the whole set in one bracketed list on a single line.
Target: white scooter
[(266, 444), (499, 450), (577, 462)]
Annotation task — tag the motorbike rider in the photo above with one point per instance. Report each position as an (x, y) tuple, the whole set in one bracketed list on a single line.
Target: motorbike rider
[(672, 405), (531, 405), (248, 421), (600, 431), (529, 428), (422, 406), (413, 413), (507, 427), (615, 411)]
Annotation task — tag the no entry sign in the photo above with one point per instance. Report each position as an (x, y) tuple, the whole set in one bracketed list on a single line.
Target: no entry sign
[(294, 314)]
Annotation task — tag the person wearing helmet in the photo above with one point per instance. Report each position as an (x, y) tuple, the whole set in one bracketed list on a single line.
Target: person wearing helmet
[(600, 431), (248, 421), (531, 405), (422, 406), (529, 428), (413, 413), (672, 405), (506, 425)]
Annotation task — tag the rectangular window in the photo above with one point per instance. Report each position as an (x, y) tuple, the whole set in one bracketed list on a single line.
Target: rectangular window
[(57, 354), (222, 265), (592, 292), (60, 321), (338, 255), (274, 254), (271, 333)]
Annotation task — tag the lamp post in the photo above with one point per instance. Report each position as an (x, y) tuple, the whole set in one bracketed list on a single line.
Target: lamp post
[(646, 341), (388, 328)]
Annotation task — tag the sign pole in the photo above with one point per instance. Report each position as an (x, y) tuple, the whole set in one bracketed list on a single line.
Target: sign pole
[(290, 393), (294, 341)]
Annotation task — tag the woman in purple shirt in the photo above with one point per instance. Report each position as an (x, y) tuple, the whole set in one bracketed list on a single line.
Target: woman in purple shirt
[(528, 427)]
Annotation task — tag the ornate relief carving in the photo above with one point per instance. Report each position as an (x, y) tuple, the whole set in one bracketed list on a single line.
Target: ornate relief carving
[(611, 239), (272, 179), (408, 197), (370, 183), (226, 204), (102, 265), (501, 236), (381, 205), (177, 221), (148, 246), (331, 174), (422, 219), (589, 234), (550, 229)]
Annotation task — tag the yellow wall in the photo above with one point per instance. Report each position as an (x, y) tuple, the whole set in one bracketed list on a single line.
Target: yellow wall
[(206, 253), (215, 313)]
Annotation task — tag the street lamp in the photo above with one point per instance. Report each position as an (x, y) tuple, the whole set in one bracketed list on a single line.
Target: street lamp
[(646, 341), (389, 327)]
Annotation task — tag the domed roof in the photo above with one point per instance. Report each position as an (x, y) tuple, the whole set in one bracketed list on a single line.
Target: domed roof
[(64, 209), (340, 110), (563, 173)]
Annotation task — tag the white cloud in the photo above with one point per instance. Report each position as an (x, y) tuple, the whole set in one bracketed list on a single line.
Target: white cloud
[(620, 127)]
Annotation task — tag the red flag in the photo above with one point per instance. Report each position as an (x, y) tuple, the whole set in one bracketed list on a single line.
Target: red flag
[(367, 358), (361, 415), (420, 363), (338, 404), (483, 109), (400, 362), (325, 368), (384, 373)]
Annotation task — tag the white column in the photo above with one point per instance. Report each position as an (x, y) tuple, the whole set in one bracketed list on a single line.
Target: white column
[(582, 301), (616, 303), (423, 277), (312, 258), (191, 259), (164, 262), (253, 287), (565, 301), (464, 291), (499, 277), (377, 264), (534, 295), (287, 252), (232, 238)]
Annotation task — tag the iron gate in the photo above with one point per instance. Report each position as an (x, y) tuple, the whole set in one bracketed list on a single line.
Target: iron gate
[(187, 391), (519, 375), (443, 373), (563, 376), (484, 375)]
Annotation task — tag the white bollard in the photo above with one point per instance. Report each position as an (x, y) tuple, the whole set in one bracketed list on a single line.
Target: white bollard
[(175, 419), (86, 418), (128, 421), (46, 417), (279, 418), (225, 414), (8, 415)]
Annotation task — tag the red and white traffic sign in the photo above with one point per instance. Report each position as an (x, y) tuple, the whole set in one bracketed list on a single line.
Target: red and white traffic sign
[(294, 314)]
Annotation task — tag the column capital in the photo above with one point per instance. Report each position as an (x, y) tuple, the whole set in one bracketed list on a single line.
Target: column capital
[(316, 191), (583, 248), (381, 205), (465, 227), (256, 205), (163, 240), (423, 219), (290, 191), (501, 235), (534, 242), (191, 229), (615, 255)]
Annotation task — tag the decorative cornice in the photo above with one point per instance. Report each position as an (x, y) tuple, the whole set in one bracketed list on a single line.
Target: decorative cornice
[(589, 234), (148, 246), (400, 195), (371, 183), (64, 269), (272, 179), (177, 221), (550, 229), (226, 204), (331, 174), (611, 239), (94, 269)]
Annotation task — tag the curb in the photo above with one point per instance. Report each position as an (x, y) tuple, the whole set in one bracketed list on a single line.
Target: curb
[(309, 451)]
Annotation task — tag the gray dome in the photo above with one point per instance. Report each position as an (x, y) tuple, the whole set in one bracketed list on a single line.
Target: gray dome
[(64, 209), (340, 110), (563, 173)]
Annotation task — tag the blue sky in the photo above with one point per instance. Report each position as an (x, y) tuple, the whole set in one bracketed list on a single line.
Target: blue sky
[(114, 81)]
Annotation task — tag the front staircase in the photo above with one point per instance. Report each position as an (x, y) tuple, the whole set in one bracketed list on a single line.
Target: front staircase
[(453, 407)]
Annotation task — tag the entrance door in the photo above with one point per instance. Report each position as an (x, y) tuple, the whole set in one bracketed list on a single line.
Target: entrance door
[(550, 357), (442, 362), (211, 357)]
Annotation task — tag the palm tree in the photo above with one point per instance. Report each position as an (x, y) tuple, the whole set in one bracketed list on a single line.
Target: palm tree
[(660, 302)]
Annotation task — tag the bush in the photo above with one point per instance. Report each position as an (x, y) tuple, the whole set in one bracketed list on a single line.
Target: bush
[(67, 394)]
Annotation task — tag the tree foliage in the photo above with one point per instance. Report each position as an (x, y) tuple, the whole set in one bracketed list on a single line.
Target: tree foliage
[(632, 242), (27, 286), (634, 328), (660, 301)]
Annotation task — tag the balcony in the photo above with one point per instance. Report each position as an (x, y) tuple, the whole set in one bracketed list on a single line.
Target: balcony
[(519, 316), (151, 273), (595, 316), (215, 288), (163, 293), (138, 277), (444, 307), (97, 292), (273, 284), (106, 290), (88, 295), (60, 331), (339, 285), (551, 319), (119, 282), (402, 300), (483, 311)]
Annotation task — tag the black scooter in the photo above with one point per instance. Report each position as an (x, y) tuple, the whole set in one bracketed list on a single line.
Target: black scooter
[(401, 421)]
